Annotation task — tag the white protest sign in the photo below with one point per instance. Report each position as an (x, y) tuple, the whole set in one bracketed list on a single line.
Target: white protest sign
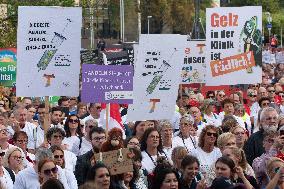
[(156, 80), (49, 43), (280, 57), (194, 66), (233, 45), (268, 57)]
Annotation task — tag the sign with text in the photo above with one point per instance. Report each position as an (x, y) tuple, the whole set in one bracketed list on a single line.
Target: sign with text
[(155, 85), (233, 45), (8, 59), (49, 44), (117, 161), (107, 83), (194, 66)]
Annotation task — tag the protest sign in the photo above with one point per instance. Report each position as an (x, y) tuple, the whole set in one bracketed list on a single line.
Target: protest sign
[(280, 57), (49, 43), (194, 66), (8, 61), (107, 83), (117, 161), (268, 57), (233, 45), (155, 85)]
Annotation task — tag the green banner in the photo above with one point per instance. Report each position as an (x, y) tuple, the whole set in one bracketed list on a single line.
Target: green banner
[(8, 61)]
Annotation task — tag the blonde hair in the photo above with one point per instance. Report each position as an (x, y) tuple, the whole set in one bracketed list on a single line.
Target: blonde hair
[(270, 162), (179, 151), (240, 154), (223, 138), (9, 153)]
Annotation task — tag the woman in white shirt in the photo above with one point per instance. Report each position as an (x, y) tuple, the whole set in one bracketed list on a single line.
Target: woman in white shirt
[(73, 131), (209, 117), (206, 151), (151, 148), (14, 159), (184, 138), (5, 177)]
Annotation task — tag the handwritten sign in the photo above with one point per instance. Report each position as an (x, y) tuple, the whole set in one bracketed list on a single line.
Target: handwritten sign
[(117, 161), (107, 83), (49, 43), (194, 65), (8, 61), (155, 86), (234, 45)]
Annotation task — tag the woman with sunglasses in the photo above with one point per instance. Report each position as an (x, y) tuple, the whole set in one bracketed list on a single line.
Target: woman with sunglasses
[(100, 176), (14, 159), (73, 131), (47, 170), (207, 152), (58, 156)]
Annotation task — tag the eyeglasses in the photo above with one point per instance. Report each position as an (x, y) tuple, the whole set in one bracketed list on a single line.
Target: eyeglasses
[(103, 175), (252, 95), (57, 136), (221, 95), (99, 138), (58, 156), (211, 134), (210, 96), (73, 120), (265, 104), (47, 172), (2, 153), (272, 91), (22, 141), (17, 157)]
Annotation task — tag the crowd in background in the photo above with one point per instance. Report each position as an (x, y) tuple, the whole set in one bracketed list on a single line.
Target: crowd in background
[(214, 140)]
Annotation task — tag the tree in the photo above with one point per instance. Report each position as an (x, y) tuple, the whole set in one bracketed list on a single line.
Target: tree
[(8, 25)]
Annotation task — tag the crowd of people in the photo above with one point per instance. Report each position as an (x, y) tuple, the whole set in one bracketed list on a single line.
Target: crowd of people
[(215, 140)]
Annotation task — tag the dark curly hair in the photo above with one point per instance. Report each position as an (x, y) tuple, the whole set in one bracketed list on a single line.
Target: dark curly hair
[(145, 137)]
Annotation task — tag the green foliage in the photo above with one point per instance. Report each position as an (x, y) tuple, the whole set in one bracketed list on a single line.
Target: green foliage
[(8, 26)]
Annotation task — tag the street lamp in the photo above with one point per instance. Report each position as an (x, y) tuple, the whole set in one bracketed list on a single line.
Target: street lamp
[(149, 17), (269, 20)]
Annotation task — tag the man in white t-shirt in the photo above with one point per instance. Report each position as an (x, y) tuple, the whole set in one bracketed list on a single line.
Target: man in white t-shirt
[(95, 114)]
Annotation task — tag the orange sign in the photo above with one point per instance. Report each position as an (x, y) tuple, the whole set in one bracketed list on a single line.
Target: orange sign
[(232, 64)]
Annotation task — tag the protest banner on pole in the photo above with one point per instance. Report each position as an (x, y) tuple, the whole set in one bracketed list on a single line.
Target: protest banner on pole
[(233, 45), (49, 43), (155, 84), (194, 65), (8, 59), (107, 83)]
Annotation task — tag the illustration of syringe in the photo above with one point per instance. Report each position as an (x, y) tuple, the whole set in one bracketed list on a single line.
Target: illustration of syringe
[(160, 73), (56, 41)]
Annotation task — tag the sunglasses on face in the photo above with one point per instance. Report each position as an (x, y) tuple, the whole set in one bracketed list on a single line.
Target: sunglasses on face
[(48, 172), (252, 96), (211, 134), (210, 96), (221, 95), (272, 91), (59, 156), (73, 120), (2, 153), (17, 157), (57, 136)]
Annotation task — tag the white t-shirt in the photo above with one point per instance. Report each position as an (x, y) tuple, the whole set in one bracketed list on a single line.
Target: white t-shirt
[(6, 180), (239, 120), (100, 121), (148, 163), (188, 143), (69, 141), (213, 119), (37, 138), (70, 160), (175, 120), (206, 159), (9, 146), (85, 147)]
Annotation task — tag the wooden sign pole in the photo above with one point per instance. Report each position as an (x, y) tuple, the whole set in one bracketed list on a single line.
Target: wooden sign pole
[(46, 123), (107, 117)]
